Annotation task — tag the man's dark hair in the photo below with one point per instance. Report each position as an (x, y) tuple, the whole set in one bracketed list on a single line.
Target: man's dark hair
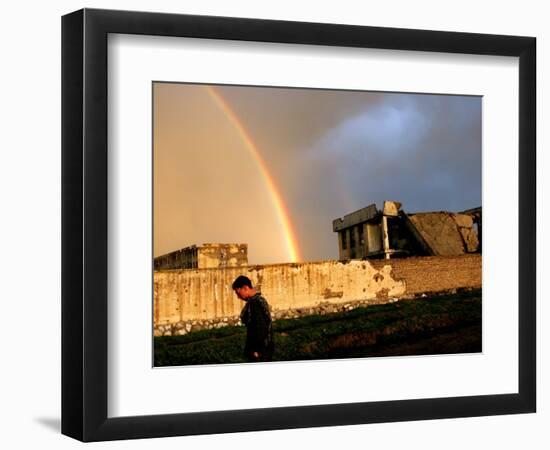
[(241, 281)]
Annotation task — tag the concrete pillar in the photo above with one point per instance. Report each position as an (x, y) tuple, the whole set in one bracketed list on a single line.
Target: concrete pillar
[(385, 237), (363, 245), (340, 247)]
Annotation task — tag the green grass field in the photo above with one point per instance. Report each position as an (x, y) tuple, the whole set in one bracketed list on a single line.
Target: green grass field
[(431, 325)]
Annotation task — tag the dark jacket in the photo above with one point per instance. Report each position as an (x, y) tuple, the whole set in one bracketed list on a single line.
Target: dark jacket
[(259, 331)]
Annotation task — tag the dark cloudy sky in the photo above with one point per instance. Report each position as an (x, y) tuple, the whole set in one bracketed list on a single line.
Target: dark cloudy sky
[(328, 152)]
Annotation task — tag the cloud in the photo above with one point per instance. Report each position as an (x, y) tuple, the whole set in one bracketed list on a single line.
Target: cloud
[(423, 150)]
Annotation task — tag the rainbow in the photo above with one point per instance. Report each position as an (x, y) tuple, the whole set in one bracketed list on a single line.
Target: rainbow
[(276, 198)]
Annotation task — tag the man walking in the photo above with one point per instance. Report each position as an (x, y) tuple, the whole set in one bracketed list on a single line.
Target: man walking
[(257, 318)]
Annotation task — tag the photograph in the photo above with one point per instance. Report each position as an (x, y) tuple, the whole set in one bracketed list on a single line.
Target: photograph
[(291, 206), (293, 224)]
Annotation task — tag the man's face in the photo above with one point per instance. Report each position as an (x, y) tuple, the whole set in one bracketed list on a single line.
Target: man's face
[(241, 292)]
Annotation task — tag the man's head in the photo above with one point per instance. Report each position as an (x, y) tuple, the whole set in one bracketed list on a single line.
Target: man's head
[(243, 287)]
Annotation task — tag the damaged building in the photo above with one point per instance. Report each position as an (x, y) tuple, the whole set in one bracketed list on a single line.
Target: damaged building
[(205, 256), (391, 232), (366, 233)]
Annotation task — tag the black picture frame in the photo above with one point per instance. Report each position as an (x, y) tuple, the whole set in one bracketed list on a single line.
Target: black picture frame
[(84, 224)]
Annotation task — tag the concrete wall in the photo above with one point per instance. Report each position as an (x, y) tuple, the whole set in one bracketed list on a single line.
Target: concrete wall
[(203, 294), (222, 255), (446, 233), (425, 274), (204, 256)]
